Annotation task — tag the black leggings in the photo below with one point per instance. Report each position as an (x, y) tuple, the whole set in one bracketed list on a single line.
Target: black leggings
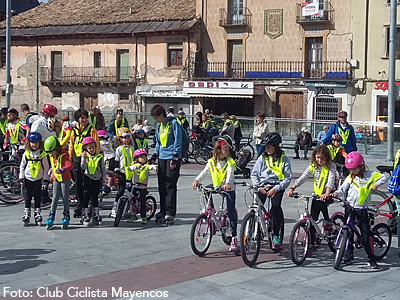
[(276, 211), (142, 198), (318, 206), (91, 192), (32, 188)]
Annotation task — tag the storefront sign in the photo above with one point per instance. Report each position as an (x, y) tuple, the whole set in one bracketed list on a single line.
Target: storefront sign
[(383, 85), (219, 84), (326, 84), (325, 91)]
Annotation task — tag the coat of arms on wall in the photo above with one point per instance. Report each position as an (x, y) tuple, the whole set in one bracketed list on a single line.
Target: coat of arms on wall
[(273, 23)]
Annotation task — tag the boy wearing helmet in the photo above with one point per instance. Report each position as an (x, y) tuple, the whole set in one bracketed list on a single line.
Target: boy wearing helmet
[(34, 171), (140, 141), (15, 132), (94, 173), (273, 168), (358, 186), (140, 168), (45, 124), (345, 130)]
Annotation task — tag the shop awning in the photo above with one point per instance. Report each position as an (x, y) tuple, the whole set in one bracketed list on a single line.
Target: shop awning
[(218, 96)]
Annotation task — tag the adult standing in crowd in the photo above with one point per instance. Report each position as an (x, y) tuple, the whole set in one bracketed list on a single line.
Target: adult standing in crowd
[(321, 135), (303, 142), (96, 118), (30, 117), (118, 122), (345, 130), (45, 124), (168, 150), (182, 120), (227, 129), (260, 132), (82, 129), (238, 131)]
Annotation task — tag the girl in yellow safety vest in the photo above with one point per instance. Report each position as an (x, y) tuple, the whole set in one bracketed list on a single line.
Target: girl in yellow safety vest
[(34, 171), (358, 186), (323, 171), (221, 167), (273, 168), (123, 159), (140, 169), (94, 173), (61, 175)]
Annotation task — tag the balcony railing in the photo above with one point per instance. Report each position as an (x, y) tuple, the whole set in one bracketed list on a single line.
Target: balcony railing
[(89, 74), (240, 17), (274, 70), (325, 15)]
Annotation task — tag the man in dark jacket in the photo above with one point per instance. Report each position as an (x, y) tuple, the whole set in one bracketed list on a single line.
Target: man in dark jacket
[(303, 142)]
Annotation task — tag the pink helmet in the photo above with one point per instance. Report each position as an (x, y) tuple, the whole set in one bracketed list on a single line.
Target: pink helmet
[(353, 160), (139, 152), (102, 133), (88, 140)]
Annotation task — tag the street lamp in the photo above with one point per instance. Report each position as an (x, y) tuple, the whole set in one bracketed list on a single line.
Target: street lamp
[(8, 52)]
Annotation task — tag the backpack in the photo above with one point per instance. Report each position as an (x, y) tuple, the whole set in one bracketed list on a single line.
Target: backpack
[(393, 185)]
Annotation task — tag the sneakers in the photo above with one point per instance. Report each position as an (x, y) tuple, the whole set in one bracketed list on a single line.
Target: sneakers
[(276, 243), (234, 244), (168, 216), (113, 213), (132, 218), (86, 221), (296, 157), (160, 215), (372, 264), (311, 249), (348, 258), (27, 217), (144, 221)]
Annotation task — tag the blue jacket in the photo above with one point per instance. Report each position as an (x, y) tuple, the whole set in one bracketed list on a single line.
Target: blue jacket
[(111, 128), (174, 140), (351, 144)]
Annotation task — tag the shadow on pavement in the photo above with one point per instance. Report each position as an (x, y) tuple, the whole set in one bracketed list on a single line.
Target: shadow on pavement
[(22, 259)]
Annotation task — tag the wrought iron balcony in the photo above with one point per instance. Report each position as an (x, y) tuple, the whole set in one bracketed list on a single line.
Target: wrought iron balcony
[(240, 17), (325, 15), (335, 70), (88, 75)]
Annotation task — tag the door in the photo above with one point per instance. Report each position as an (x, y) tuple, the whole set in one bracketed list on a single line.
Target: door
[(56, 65), (235, 11), (235, 55), (122, 65), (291, 106), (88, 101), (314, 53), (325, 109)]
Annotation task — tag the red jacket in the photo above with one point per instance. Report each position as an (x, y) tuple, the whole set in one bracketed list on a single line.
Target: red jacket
[(65, 163)]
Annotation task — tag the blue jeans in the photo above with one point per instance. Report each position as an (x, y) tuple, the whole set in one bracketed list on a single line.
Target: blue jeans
[(260, 149), (397, 200)]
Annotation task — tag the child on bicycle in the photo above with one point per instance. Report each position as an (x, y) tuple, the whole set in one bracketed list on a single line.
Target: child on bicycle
[(140, 169), (323, 171), (94, 173), (34, 171), (61, 176), (140, 141), (358, 186), (273, 168), (123, 159), (106, 148), (221, 167)]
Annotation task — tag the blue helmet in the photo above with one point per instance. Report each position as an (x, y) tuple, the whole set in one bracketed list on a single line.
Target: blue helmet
[(34, 137), (140, 130)]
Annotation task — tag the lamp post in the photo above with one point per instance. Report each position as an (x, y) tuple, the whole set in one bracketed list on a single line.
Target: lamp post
[(8, 52)]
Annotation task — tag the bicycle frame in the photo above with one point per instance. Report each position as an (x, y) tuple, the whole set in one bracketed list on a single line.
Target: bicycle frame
[(207, 208), (351, 227), (382, 204)]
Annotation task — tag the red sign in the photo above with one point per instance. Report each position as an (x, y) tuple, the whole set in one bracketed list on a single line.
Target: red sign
[(383, 85)]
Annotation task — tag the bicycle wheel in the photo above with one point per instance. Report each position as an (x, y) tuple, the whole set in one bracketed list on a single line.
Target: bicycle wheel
[(194, 146), (250, 239), (340, 249), (299, 243), (120, 210), (201, 235), (338, 221), (202, 156), (10, 189), (376, 198), (151, 206), (382, 239)]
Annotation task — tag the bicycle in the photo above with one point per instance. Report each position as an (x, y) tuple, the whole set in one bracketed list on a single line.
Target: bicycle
[(381, 236), (129, 204), (256, 225), (210, 221), (299, 242), (203, 155), (10, 189)]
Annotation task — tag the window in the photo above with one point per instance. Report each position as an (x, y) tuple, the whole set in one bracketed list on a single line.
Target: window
[(124, 96), (3, 93), (97, 59), (397, 41), (3, 57), (57, 94), (175, 54)]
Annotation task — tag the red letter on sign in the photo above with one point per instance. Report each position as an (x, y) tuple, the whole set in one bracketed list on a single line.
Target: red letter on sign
[(210, 84), (200, 84), (191, 84)]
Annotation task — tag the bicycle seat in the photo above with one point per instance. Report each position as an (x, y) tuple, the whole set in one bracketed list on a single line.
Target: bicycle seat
[(384, 169)]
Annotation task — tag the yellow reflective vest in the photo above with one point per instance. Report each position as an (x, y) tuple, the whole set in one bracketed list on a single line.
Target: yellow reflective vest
[(218, 176)]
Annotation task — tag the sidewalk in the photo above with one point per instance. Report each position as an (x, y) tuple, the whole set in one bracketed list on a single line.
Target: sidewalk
[(133, 257)]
